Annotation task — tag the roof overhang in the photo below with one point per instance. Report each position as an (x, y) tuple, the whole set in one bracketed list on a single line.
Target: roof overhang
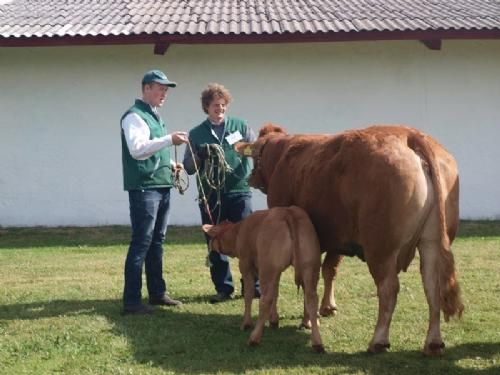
[(431, 39)]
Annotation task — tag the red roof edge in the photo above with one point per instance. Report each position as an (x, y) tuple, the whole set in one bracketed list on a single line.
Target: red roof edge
[(247, 38)]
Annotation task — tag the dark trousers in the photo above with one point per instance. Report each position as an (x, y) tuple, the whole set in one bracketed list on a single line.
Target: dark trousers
[(234, 207), (149, 211)]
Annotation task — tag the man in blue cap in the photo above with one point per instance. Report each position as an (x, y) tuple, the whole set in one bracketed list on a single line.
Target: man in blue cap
[(148, 178)]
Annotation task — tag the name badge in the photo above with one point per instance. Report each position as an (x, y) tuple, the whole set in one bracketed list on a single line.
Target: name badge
[(234, 137)]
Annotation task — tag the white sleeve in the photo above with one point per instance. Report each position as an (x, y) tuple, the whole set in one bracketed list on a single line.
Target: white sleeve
[(137, 135)]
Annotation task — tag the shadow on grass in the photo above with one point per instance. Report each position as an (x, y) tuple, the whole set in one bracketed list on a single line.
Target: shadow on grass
[(179, 341)]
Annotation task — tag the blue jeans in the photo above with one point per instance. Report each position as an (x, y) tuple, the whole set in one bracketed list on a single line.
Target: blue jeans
[(149, 211), (234, 207)]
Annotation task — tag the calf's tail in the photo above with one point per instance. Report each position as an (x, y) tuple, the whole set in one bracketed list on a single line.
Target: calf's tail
[(449, 290)]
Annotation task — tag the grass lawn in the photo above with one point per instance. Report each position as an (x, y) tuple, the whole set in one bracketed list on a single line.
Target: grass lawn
[(60, 302)]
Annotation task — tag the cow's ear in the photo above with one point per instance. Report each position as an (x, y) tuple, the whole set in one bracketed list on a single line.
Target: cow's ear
[(206, 228), (244, 148), (271, 128)]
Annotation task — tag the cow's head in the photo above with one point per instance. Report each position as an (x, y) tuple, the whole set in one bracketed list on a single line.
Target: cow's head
[(221, 238), (255, 150)]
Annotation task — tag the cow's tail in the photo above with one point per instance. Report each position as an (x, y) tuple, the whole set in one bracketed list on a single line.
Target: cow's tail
[(449, 290), (291, 222)]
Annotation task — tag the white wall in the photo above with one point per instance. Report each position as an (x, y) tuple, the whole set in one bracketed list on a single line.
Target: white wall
[(60, 149)]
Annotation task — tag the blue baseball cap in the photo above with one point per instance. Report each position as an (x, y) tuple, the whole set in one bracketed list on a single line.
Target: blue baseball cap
[(157, 76)]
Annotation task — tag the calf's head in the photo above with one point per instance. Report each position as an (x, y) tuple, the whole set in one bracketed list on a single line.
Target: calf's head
[(222, 238)]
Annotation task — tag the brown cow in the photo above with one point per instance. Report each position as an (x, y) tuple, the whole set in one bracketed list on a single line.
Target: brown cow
[(266, 243), (378, 193)]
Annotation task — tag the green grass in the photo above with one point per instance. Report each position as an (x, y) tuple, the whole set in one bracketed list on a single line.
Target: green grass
[(60, 301)]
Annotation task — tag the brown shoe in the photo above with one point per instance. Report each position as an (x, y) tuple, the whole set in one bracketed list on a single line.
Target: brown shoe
[(164, 300)]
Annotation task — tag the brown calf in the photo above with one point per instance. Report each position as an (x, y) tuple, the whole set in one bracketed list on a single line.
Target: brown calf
[(266, 243)]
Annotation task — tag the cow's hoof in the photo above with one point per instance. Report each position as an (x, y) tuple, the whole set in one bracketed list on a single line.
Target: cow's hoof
[(246, 327), (319, 348), (378, 348), (434, 349), (304, 325), (328, 311), (274, 325)]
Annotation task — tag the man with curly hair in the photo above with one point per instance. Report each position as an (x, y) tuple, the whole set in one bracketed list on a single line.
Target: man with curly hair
[(232, 200)]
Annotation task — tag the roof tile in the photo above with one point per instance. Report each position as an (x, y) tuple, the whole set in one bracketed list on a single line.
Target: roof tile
[(46, 18)]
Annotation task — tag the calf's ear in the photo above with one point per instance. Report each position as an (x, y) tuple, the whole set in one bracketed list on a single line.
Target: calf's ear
[(244, 148), (206, 228)]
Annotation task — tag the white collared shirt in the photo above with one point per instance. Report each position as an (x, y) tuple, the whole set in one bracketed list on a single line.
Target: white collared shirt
[(137, 135)]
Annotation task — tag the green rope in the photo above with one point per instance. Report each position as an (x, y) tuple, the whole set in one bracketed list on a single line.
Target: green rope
[(181, 178), (214, 171), (216, 167)]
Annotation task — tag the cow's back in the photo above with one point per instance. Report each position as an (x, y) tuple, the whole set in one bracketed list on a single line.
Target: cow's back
[(276, 237), (264, 239), (359, 186)]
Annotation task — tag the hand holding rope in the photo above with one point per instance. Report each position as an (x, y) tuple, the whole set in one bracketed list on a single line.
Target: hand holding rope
[(181, 180)]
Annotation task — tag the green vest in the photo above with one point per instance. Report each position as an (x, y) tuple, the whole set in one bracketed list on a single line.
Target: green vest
[(154, 172), (237, 180)]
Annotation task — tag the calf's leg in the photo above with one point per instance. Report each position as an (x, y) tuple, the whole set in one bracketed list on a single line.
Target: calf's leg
[(268, 293), (248, 279), (274, 318), (311, 303), (306, 318)]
